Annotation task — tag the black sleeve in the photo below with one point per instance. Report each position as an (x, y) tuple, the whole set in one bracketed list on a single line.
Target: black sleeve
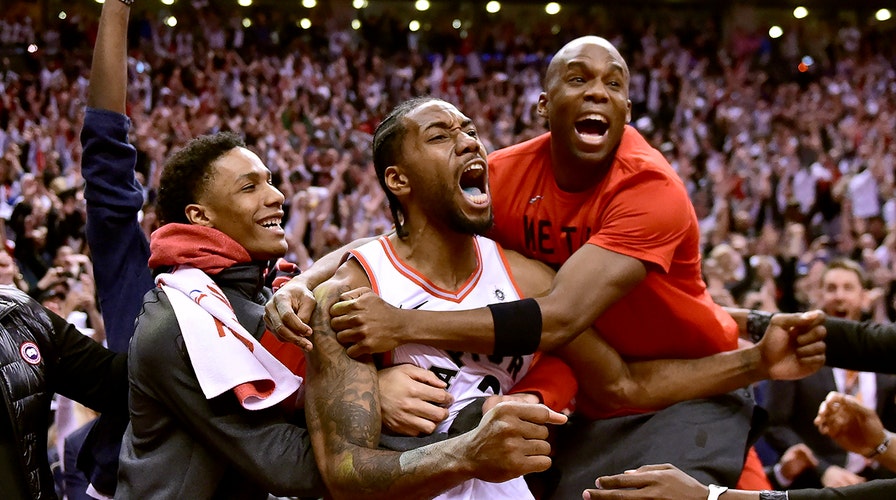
[(880, 489), (85, 371), (864, 346)]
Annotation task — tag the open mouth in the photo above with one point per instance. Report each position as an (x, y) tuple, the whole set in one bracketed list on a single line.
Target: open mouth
[(593, 126), (472, 183), (271, 222), (840, 313)]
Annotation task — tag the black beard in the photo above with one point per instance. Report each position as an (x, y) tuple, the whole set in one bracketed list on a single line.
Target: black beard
[(464, 225)]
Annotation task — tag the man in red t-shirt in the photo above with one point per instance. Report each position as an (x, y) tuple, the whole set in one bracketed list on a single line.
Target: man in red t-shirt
[(593, 199)]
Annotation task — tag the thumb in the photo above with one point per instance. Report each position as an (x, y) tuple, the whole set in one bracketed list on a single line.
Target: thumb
[(654, 467), (806, 319), (555, 418)]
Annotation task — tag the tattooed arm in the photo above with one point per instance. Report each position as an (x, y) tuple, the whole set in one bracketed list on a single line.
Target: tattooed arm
[(342, 407)]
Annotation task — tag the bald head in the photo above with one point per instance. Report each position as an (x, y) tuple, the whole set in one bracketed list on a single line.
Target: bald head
[(573, 49)]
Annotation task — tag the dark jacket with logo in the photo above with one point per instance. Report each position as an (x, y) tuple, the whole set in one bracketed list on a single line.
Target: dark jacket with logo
[(179, 444), (41, 354)]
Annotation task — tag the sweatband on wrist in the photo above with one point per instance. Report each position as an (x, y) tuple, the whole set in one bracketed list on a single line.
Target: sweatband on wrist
[(757, 323), (517, 327)]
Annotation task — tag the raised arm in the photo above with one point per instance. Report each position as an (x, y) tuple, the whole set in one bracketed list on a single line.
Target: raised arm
[(113, 195), (342, 408), (109, 71)]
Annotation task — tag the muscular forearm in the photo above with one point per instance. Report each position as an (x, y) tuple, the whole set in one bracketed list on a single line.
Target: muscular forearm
[(108, 74), (343, 412), (657, 384), (651, 385), (474, 330), (378, 474)]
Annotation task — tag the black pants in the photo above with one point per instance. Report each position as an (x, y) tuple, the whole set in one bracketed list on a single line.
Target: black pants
[(707, 438)]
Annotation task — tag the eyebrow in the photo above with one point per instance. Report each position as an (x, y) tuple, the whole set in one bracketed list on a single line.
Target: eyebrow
[(466, 122), (253, 175), (581, 65)]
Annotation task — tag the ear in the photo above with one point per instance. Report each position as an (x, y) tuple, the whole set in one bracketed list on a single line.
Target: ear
[(628, 111), (198, 215), (397, 181), (542, 107)]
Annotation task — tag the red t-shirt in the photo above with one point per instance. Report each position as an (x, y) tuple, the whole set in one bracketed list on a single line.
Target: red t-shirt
[(640, 209)]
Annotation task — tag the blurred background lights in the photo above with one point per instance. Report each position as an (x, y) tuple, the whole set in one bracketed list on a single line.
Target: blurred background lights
[(808, 61), (247, 22), (356, 24), (168, 2), (63, 15), (244, 3), (309, 4), (455, 24), (414, 25), (305, 23), (493, 7), (171, 21), (552, 8), (800, 12), (32, 48), (883, 15), (775, 32), (99, 1), (359, 4), (421, 5)]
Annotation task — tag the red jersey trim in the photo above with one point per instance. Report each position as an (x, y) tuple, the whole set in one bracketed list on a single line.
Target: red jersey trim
[(368, 270), (509, 273), (418, 279)]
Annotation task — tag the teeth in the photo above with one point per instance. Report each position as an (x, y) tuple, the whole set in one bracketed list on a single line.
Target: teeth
[(595, 117), (474, 167), (478, 198), (271, 223)]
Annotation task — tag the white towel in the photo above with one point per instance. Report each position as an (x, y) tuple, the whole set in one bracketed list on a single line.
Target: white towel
[(224, 355)]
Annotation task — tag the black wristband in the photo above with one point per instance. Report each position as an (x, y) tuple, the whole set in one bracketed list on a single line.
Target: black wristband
[(517, 327), (773, 495), (757, 323)]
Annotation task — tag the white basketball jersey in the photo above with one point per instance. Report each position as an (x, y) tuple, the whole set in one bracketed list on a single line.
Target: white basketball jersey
[(468, 375)]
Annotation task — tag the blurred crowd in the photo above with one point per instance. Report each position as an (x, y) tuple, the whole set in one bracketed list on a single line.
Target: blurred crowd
[(786, 145)]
